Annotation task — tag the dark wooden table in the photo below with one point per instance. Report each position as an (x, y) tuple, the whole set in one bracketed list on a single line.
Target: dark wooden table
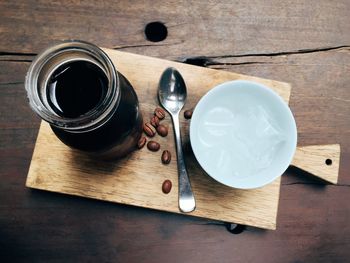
[(306, 43)]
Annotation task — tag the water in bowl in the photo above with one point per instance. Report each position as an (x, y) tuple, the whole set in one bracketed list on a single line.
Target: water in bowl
[(247, 140)]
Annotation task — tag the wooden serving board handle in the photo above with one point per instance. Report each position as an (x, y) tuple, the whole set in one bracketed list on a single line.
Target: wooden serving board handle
[(320, 160)]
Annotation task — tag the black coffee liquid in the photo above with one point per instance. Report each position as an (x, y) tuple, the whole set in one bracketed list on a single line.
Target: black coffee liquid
[(76, 88)]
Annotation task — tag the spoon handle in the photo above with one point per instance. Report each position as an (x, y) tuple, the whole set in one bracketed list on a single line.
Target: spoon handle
[(187, 202)]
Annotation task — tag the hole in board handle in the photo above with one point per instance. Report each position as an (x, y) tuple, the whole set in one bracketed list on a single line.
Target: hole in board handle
[(328, 161)]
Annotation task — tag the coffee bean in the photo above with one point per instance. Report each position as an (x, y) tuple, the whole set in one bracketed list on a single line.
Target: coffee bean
[(166, 157), (188, 114), (141, 142), (149, 129), (166, 187), (153, 146), (160, 113), (162, 130), (154, 121)]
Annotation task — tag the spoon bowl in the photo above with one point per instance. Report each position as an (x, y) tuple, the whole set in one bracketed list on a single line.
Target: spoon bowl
[(172, 93)]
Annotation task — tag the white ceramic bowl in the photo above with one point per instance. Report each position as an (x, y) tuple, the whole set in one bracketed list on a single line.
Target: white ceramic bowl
[(243, 134)]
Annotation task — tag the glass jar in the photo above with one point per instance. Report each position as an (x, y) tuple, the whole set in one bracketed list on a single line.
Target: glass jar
[(89, 105)]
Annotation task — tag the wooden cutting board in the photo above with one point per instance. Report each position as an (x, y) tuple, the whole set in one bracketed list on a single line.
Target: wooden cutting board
[(137, 179)]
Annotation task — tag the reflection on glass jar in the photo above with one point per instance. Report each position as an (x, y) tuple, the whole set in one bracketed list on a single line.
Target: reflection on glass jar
[(89, 105)]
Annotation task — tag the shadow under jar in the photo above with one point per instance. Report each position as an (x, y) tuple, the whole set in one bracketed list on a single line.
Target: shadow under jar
[(89, 105)]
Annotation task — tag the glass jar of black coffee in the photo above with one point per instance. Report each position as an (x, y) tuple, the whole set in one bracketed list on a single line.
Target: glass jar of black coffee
[(89, 105)]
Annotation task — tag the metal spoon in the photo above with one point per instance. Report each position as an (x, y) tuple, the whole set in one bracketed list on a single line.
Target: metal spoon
[(172, 95)]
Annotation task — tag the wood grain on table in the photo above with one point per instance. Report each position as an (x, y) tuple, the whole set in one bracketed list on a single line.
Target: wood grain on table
[(304, 43)]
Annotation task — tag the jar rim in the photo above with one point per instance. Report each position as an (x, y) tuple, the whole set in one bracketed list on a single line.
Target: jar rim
[(65, 52)]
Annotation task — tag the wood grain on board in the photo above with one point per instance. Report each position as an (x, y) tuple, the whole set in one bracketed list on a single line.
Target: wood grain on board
[(137, 179)]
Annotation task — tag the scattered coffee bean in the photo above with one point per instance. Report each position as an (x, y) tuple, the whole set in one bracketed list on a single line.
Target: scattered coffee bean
[(160, 113), (166, 187), (188, 114), (153, 146), (154, 121), (162, 130), (149, 129), (166, 157), (141, 142)]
